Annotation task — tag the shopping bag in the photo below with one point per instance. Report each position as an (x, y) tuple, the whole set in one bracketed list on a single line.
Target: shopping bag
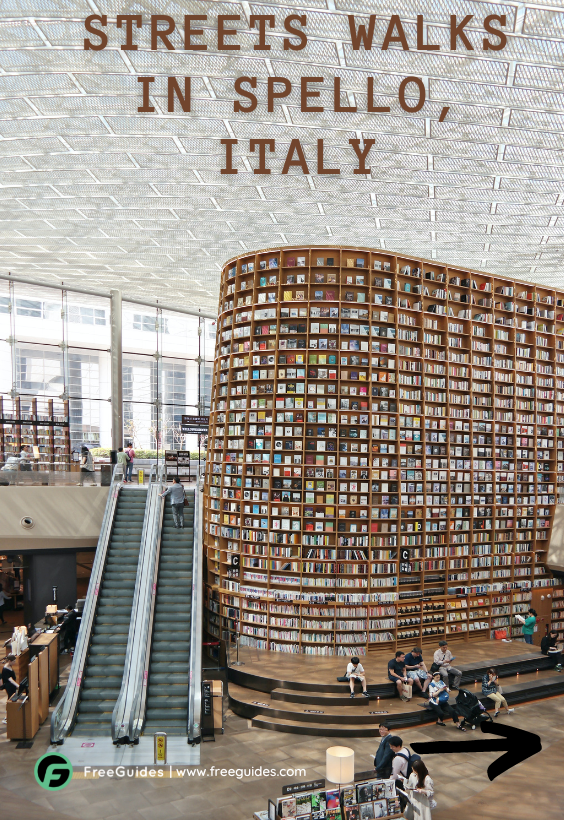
[(500, 634), (406, 690)]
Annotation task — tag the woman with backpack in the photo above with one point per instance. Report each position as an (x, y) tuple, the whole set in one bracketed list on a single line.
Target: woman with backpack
[(420, 790), (438, 702), (492, 690)]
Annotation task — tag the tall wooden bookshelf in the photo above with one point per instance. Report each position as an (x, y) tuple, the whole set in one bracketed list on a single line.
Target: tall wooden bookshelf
[(386, 448), (39, 423)]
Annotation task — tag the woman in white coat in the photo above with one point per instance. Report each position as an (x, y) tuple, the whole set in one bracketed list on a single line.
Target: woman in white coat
[(420, 790)]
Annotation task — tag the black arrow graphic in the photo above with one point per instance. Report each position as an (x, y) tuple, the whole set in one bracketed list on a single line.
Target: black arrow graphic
[(518, 745)]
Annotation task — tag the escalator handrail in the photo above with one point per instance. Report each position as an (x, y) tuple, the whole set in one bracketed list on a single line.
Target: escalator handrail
[(136, 718), (118, 721), (195, 671), (63, 716)]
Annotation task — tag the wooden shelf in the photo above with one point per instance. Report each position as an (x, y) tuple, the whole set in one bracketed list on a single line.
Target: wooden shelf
[(375, 405)]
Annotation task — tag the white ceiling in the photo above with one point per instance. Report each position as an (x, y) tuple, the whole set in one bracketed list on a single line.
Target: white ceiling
[(94, 193)]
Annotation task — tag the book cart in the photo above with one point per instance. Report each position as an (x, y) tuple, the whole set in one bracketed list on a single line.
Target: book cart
[(386, 445)]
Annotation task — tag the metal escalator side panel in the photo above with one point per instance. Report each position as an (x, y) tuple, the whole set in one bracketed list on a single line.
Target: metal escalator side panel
[(124, 717), (63, 716), (195, 679), (119, 720), (137, 715)]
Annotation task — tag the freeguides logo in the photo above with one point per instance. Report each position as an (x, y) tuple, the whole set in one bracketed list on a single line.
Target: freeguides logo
[(53, 771)]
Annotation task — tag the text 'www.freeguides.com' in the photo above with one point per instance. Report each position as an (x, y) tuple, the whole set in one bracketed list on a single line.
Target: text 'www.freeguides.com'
[(131, 772)]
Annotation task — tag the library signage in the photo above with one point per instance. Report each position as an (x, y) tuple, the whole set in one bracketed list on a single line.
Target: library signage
[(194, 424)]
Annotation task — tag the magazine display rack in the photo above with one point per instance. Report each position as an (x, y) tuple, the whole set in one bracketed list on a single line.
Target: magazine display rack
[(385, 450)]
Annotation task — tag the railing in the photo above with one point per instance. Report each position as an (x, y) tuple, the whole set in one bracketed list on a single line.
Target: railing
[(63, 717), (195, 679), (129, 711), (145, 567)]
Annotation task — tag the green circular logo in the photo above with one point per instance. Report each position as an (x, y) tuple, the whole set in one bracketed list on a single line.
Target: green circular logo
[(53, 771)]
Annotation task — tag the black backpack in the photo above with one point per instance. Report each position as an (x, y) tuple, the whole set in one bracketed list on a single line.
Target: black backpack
[(410, 760)]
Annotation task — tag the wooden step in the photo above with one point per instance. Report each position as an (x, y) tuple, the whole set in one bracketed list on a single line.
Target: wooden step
[(324, 699)]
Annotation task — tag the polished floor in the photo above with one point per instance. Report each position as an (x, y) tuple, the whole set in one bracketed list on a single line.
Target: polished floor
[(462, 787)]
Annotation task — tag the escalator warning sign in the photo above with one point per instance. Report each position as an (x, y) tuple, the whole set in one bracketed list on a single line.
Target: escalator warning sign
[(160, 748)]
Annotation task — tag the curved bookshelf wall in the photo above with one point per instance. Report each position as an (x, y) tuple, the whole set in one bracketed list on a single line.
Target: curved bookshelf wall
[(384, 450)]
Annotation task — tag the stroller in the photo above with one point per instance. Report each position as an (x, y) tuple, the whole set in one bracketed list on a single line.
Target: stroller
[(469, 707)]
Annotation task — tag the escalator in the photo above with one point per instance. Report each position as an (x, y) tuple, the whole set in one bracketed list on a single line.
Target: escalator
[(169, 665), (104, 666)]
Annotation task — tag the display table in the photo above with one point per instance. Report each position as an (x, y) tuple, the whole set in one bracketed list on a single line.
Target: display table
[(23, 716), (51, 641), (20, 665)]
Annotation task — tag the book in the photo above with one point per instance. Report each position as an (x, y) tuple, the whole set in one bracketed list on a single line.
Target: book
[(320, 260), (287, 806), (288, 296), (318, 295), (394, 806), (291, 261), (367, 811), (333, 798), (349, 796), (350, 263), (360, 263), (301, 260), (319, 277), (377, 264), (380, 808), (250, 267), (273, 263), (352, 813), (330, 261), (262, 264), (364, 792), (290, 280), (303, 802)]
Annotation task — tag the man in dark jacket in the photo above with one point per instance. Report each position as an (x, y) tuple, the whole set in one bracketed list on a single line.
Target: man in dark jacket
[(384, 755), (549, 646), (69, 629)]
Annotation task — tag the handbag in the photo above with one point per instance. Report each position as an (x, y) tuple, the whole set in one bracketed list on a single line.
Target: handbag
[(435, 668), (443, 696), (500, 634)]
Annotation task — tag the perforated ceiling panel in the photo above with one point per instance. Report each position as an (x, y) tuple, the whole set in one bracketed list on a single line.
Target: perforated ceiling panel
[(95, 193)]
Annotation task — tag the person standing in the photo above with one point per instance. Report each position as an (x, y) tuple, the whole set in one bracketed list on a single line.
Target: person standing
[(9, 678), (130, 453), (86, 465), (549, 646), (122, 459), (442, 657), (529, 624), (177, 496), (355, 671), (384, 755), (416, 669), (68, 629), (3, 599), (492, 690), (438, 702), (421, 789)]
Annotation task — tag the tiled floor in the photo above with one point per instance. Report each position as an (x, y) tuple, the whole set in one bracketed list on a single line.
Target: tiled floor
[(463, 789)]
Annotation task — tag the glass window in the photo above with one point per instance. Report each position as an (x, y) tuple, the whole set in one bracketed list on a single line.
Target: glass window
[(148, 323), (4, 304), (29, 307), (87, 315)]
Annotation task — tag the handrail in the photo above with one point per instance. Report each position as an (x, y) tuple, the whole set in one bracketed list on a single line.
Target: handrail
[(195, 680), (126, 727), (137, 716), (121, 709), (63, 716)]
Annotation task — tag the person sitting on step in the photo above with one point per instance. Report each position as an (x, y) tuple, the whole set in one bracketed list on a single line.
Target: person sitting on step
[(355, 672), (398, 674)]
